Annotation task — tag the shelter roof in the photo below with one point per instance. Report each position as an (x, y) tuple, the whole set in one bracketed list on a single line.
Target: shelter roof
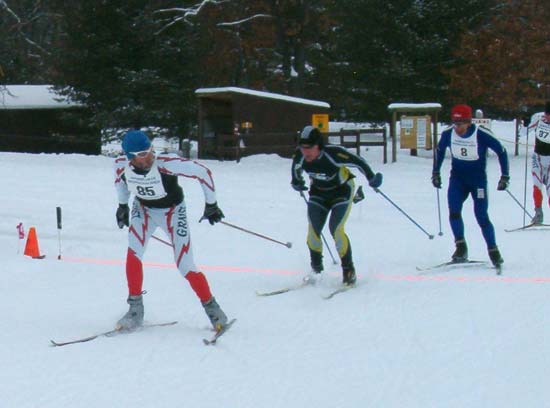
[(227, 92), (33, 97)]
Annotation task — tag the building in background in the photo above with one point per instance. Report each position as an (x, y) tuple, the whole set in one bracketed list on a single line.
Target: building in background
[(234, 122), (34, 119)]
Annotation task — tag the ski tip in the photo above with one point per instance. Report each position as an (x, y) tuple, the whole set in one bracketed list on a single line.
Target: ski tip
[(219, 333)]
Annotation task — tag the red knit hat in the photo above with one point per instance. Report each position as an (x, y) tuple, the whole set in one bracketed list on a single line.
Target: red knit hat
[(461, 113)]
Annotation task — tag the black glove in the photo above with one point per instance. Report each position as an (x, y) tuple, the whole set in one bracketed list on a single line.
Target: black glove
[(299, 186), (436, 179), (212, 213), (503, 183), (123, 216), (359, 195), (376, 180)]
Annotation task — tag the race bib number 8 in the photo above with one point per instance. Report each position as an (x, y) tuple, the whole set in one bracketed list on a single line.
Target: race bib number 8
[(464, 148)]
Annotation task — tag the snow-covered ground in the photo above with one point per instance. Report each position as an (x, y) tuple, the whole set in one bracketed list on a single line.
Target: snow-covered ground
[(457, 338)]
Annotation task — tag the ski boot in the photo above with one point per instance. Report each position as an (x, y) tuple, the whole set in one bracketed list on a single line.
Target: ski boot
[(134, 317), (539, 216), (461, 252), (215, 314), (349, 277), (496, 258), (316, 268)]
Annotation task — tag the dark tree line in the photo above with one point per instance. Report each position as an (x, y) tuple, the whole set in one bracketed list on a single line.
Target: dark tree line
[(138, 62)]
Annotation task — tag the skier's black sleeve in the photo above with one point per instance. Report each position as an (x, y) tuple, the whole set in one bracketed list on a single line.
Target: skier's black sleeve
[(342, 156), (296, 169)]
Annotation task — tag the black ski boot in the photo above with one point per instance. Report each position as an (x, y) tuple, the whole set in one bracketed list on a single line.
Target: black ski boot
[(349, 275), (495, 256), (461, 251), (314, 275), (316, 261)]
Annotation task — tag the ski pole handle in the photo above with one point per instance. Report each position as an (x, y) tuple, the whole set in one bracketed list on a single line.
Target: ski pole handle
[(58, 211), (59, 223)]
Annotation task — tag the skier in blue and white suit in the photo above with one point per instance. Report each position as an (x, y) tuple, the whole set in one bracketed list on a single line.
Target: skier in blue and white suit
[(468, 144)]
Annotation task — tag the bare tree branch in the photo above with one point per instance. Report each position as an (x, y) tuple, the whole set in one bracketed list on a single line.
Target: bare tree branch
[(19, 26), (185, 14), (244, 20)]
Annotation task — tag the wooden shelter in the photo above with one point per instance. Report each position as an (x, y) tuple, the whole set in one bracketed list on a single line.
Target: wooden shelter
[(34, 119), (237, 121)]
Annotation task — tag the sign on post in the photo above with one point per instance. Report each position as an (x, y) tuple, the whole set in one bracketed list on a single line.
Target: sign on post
[(485, 122), (320, 121), (416, 132)]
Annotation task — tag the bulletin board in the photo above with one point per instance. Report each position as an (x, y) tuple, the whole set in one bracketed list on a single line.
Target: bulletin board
[(416, 132)]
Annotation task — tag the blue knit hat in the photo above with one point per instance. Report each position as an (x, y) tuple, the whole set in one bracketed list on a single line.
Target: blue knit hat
[(135, 141)]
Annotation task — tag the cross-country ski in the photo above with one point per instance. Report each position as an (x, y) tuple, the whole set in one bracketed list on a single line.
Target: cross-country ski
[(283, 290), (110, 333), (531, 226), (342, 289), (219, 333), (451, 264)]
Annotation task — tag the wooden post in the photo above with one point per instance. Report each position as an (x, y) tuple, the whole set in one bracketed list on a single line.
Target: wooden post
[(393, 136), (516, 147), (385, 138)]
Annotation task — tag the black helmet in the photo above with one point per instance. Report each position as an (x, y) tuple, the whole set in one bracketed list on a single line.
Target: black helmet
[(311, 136)]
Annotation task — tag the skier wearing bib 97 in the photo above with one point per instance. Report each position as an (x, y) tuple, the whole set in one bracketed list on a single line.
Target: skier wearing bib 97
[(468, 144), (540, 164), (159, 202)]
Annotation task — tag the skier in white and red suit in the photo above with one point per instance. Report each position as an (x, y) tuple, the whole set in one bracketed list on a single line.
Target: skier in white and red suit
[(153, 180), (540, 167)]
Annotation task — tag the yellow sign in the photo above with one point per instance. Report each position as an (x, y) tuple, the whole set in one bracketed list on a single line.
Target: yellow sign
[(246, 125), (320, 121)]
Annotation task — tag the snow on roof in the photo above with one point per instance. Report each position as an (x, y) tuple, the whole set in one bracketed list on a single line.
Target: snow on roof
[(32, 97), (414, 106), (232, 89)]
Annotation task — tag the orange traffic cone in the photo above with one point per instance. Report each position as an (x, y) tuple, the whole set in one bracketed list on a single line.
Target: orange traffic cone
[(31, 247)]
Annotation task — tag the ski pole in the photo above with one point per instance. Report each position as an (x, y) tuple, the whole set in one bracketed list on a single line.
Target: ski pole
[(58, 213), (440, 233), (430, 236), (518, 203), (163, 241), (322, 236), (287, 244), (525, 181)]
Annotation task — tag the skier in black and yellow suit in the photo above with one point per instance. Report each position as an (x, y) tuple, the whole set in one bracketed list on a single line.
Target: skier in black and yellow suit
[(331, 191)]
